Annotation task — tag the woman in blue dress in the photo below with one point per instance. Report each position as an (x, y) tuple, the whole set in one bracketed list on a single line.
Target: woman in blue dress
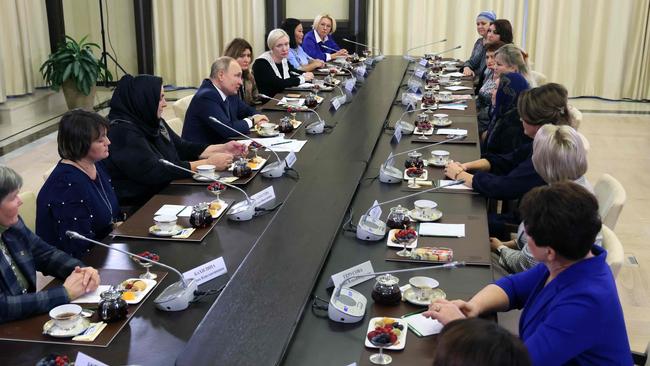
[(78, 195)]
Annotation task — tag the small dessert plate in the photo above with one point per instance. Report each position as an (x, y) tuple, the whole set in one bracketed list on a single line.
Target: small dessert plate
[(437, 214), (155, 231)]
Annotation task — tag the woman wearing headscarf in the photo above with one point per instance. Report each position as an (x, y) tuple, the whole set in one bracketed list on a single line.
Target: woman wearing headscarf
[(140, 138), (505, 132), (475, 65)]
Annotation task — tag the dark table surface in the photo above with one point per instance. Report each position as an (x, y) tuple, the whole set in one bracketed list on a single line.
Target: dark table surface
[(277, 261)]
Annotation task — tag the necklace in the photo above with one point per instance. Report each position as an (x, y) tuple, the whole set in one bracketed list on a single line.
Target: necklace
[(104, 196)]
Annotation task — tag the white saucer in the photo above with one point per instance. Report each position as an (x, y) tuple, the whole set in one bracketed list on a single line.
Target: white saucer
[(432, 162), (437, 123), (155, 231), (201, 178), (52, 330), (436, 293), (437, 214)]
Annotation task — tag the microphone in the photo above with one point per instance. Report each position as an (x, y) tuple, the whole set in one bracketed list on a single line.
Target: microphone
[(313, 128), (329, 48), (389, 174), (407, 57), (175, 297), (447, 50), (350, 306), (379, 57), (371, 229), (240, 211), (408, 127), (273, 170)]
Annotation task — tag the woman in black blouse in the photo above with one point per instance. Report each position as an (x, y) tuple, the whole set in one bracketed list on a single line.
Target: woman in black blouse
[(272, 71), (140, 138)]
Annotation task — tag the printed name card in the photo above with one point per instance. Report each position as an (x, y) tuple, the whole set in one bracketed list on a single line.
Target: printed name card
[(357, 271), (263, 196), (85, 360), (390, 159), (397, 135), (419, 73), (207, 271), (336, 103), (349, 84), (290, 159), (423, 62)]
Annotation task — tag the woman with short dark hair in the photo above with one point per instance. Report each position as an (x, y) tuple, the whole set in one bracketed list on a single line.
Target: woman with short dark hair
[(479, 342), (571, 310), (78, 195)]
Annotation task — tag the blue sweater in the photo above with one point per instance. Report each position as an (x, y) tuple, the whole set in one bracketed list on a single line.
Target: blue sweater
[(511, 175), (314, 49), (207, 102), (575, 319), (70, 200)]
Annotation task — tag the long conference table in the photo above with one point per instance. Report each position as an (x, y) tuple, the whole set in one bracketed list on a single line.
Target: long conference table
[(277, 262)]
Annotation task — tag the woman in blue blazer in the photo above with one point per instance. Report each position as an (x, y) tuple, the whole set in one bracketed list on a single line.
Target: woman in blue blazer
[(571, 311), (318, 42)]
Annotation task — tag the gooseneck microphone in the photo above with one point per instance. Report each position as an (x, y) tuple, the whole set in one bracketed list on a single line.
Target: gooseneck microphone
[(379, 56), (175, 297), (350, 306), (408, 57), (240, 211), (273, 170), (372, 229), (447, 50), (313, 128)]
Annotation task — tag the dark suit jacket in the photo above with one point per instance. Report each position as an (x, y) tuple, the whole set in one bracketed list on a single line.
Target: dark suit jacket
[(31, 253), (207, 102)]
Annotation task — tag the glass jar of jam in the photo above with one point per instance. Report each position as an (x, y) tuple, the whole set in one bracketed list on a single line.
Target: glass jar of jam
[(241, 169), (386, 290), (311, 101), (414, 160), (398, 218), (112, 307), (200, 216), (285, 125), (428, 98)]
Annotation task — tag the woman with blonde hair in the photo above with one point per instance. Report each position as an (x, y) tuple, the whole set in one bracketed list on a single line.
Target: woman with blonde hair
[(510, 58), (318, 42), (272, 70), (242, 52)]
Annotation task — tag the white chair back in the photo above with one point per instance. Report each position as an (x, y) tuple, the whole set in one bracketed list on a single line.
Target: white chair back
[(540, 79), (28, 209), (576, 117), (611, 198), (180, 106), (176, 124), (614, 248)]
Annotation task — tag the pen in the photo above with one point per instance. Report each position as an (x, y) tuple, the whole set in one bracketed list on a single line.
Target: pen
[(281, 143)]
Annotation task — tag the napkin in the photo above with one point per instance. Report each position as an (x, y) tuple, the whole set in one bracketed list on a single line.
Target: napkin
[(185, 233), (90, 334), (455, 74), (422, 326), (451, 131), (447, 230), (457, 107), (457, 87)]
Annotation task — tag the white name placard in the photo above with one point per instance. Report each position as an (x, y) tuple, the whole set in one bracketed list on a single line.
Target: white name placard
[(207, 271), (349, 84), (336, 103), (263, 196), (424, 61), (375, 211), (85, 360), (358, 270), (291, 159)]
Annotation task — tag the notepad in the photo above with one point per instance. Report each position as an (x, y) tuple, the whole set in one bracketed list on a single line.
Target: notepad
[(451, 131), (461, 187), (170, 210), (457, 107), (447, 230), (423, 326)]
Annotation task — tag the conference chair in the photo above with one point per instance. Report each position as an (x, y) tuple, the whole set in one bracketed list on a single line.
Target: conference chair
[(176, 124), (614, 248), (28, 209), (576, 116), (611, 197), (180, 106), (48, 172), (540, 79)]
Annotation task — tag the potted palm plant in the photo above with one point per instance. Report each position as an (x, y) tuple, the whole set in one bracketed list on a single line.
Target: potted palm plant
[(74, 67)]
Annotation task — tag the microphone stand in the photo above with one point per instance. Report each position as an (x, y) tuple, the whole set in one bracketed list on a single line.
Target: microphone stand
[(313, 128), (240, 211), (411, 59), (372, 229), (175, 297), (350, 306), (273, 170)]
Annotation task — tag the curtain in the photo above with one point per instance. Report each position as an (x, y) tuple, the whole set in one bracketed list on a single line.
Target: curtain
[(190, 35), (82, 19), (395, 26), (24, 46), (593, 47)]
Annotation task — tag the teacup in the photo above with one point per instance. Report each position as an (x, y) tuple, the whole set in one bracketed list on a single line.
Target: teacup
[(267, 128), (206, 169), (423, 287), (440, 157), (165, 223), (425, 208), (445, 96), (66, 316), (441, 118)]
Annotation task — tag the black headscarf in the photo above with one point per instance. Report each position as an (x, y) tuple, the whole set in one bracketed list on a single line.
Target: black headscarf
[(136, 100)]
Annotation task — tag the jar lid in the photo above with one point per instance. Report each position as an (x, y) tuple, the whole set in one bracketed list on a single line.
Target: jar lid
[(388, 280), (415, 154), (111, 294)]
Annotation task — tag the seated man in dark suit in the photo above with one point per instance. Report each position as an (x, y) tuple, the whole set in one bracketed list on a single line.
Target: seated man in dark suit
[(22, 253), (217, 97)]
